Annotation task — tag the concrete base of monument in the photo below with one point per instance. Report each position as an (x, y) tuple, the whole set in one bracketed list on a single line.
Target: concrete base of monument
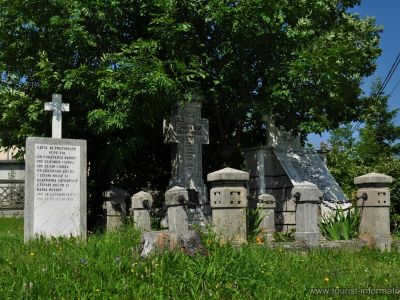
[(188, 242), (12, 213), (355, 245)]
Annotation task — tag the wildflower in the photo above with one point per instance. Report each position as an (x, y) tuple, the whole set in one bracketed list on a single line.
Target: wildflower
[(32, 254), (326, 279), (97, 290)]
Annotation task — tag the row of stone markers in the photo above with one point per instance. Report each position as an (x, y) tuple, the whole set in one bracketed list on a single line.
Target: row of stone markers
[(228, 196)]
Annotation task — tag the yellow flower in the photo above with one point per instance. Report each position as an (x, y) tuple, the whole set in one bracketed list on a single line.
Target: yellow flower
[(32, 254), (326, 279), (259, 240), (97, 290)]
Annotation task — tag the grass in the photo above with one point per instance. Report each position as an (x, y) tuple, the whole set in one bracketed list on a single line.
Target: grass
[(108, 266)]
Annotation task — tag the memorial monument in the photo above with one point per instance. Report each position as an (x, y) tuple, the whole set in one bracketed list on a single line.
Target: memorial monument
[(187, 132), (55, 182), (283, 164)]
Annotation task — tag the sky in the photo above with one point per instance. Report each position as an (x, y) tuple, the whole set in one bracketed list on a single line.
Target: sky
[(387, 14)]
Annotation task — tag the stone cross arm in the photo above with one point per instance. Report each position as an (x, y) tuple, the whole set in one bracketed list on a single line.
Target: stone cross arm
[(57, 107)]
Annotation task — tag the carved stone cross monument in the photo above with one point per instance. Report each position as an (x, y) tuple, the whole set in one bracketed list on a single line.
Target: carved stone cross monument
[(187, 131), (57, 107)]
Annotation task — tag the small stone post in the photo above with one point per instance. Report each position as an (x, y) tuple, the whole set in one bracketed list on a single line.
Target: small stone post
[(140, 205), (175, 199), (373, 196), (267, 204), (307, 199), (114, 207), (228, 198)]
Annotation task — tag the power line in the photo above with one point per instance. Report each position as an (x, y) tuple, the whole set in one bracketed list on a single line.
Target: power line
[(390, 74), (384, 84), (395, 87)]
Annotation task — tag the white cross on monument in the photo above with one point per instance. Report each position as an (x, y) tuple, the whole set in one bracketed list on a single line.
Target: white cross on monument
[(57, 107)]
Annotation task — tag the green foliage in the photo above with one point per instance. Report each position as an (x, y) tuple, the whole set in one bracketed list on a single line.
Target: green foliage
[(109, 267), (341, 225), (121, 64), (376, 149), (254, 217), (284, 237)]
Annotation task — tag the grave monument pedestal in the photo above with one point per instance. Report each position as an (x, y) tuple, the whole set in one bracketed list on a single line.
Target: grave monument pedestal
[(228, 197), (374, 208), (141, 203)]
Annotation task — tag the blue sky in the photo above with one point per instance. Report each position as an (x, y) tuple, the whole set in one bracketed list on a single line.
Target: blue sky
[(387, 14)]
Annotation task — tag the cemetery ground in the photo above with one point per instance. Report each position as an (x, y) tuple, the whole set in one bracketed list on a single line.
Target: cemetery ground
[(109, 266)]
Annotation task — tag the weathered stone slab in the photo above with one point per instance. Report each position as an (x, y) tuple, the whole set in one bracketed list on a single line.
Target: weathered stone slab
[(55, 188), (188, 242), (305, 166)]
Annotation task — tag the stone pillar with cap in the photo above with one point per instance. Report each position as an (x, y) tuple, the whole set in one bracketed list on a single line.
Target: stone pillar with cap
[(373, 199), (228, 199), (307, 199), (141, 202), (175, 199), (267, 204), (114, 207)]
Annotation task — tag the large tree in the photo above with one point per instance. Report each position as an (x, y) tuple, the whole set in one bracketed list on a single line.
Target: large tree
[(122, 63), (370, 146)]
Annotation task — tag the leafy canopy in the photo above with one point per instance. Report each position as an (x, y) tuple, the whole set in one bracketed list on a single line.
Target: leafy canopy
[(122, 63)]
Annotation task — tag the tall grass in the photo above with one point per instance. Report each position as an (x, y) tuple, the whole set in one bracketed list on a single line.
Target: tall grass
[(109, 266)]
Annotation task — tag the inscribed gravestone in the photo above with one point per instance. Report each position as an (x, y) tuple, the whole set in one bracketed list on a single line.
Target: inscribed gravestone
[(55, 188), (55, 182), (187, 131)]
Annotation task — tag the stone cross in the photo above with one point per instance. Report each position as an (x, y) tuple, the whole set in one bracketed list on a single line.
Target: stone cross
[(188, 131), (57, 107)]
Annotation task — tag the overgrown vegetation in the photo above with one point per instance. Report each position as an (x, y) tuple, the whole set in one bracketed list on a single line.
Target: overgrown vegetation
[(109, 267), (341, 225), (370, 146)]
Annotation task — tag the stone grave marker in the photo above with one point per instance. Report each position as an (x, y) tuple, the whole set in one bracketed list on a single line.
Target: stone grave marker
[(282, 165), (55, 184), (306, 166), (187, 131)]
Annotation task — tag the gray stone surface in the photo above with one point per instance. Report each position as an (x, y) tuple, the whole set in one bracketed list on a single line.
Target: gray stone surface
[(279, 138), (175, 199), (187, 131), (140, 205), (308, 198), (373, 178), (228, 198), (375, 216), (267, 204), (228, 174), (305, 166), (188, 242), (114, 208), (55, 188)]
